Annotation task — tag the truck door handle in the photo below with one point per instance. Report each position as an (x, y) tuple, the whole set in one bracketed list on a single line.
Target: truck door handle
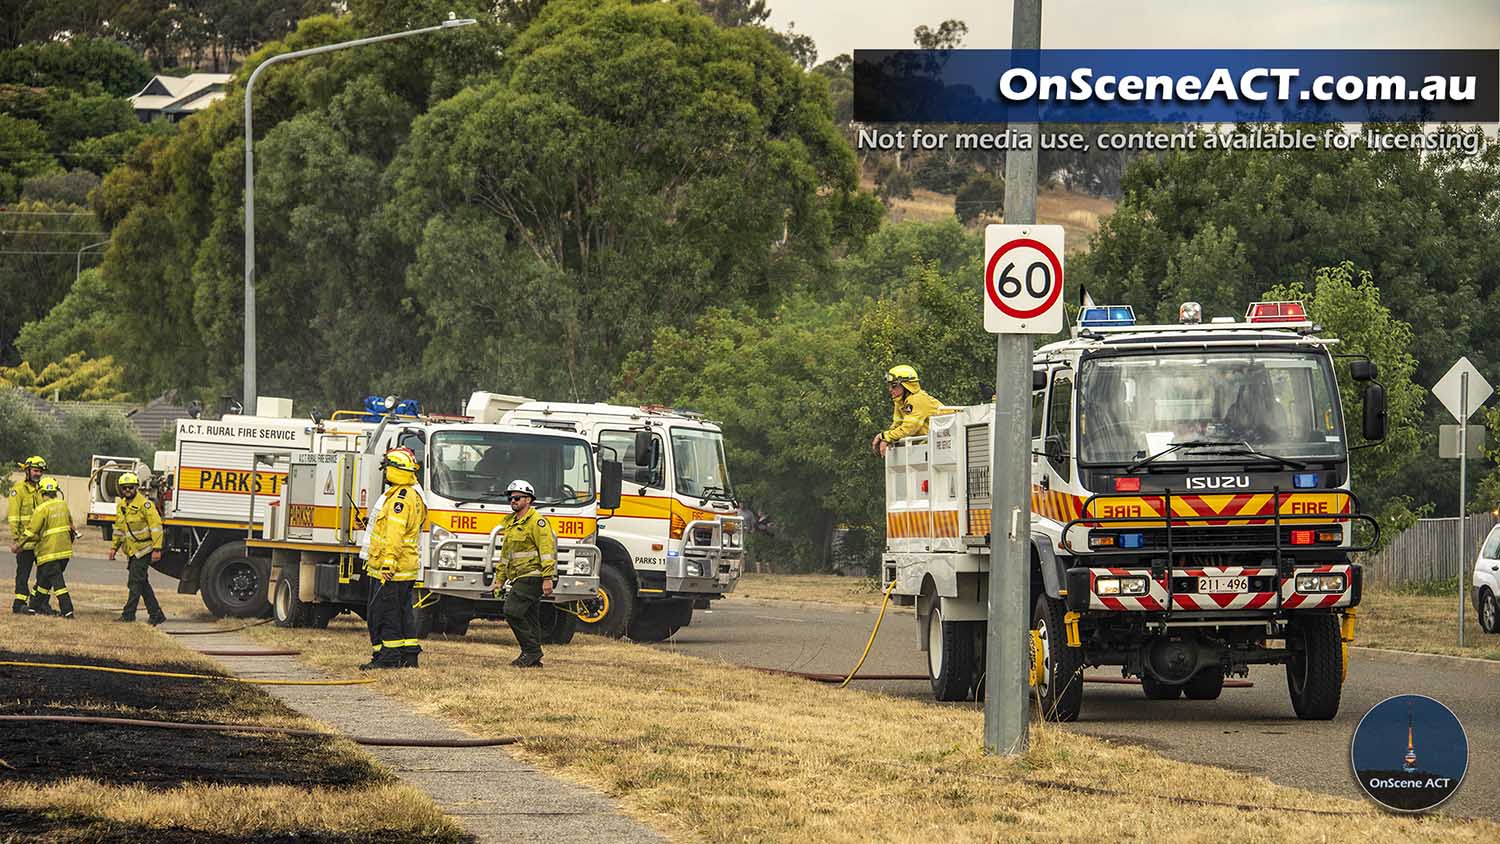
[(1045, 484)]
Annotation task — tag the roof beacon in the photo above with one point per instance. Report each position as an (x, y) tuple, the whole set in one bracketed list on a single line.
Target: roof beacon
[(1276, 312), (1191, 313), (1107, 316)]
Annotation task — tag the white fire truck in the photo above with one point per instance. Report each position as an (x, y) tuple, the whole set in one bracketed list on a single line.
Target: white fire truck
[(1191, 512), (309, 484), (675, 542)]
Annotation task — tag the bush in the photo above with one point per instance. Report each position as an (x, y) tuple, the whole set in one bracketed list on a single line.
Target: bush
[(982, 194), (23, 432), (88, 432)]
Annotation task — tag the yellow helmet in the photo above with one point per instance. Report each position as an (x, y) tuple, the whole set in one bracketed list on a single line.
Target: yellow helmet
[(400, 466), (128, 479), (48, 485), (34, 462), (900, 374)]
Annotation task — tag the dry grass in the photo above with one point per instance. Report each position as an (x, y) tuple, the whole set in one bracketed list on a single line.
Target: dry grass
[(809, 588), (1079, 214), (717, 752), (1421, 623), (383, 804)]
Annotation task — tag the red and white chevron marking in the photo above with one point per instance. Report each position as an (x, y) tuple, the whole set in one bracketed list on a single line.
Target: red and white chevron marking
[(1228, 601), (1291, 599)]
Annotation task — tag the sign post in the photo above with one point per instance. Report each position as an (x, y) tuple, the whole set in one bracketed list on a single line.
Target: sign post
[(1462, 390)]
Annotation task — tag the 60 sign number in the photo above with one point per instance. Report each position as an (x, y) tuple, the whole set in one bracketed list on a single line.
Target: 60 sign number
[(1010, 286)]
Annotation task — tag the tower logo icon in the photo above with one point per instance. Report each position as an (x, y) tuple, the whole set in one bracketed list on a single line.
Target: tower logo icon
[(1399, 778)]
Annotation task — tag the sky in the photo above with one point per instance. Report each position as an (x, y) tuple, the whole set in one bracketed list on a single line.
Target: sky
[(840, 26)]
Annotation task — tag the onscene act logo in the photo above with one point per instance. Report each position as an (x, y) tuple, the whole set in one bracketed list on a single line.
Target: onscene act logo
[(1409, 753)]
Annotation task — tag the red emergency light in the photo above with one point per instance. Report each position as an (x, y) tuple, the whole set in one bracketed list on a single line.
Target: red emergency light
[(1276, 312), (1304, 537), (1127, 484)]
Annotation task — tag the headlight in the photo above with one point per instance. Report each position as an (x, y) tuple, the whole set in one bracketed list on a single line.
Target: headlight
[(694, 568), (1120, 586), (447, 558), (1321, 582), (583, 563)]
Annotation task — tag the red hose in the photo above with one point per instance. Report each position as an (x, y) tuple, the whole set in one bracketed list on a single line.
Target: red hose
[(251, 728)]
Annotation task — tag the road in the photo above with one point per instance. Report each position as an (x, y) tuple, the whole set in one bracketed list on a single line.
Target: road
[(1248, 729)]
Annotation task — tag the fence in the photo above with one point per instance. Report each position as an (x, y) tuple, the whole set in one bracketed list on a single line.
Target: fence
[(1428, 550)]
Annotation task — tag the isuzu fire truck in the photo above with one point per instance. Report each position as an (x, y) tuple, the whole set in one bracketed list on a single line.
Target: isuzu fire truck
[(675, 542), (268, 512), (1191, 512)]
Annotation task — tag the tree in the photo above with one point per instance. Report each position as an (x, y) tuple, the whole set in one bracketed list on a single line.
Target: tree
[(71, 188), (82, 434), (76, 377), (1346, 302), (635, 165), (23, 432), (39, 243), (736, 12), (73, 118), (83, 65), (982, 194), (24, 145), (949, 35), (84, 321)]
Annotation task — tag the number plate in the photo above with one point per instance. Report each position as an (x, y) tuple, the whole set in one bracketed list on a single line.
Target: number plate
[(1223, 585)]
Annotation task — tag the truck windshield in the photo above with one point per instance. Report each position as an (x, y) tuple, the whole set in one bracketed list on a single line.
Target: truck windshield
[(699, 465), (479, 465), (1134, 406)]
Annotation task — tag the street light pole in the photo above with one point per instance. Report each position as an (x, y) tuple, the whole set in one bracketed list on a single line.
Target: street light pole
[(249, 394), (78, 265)]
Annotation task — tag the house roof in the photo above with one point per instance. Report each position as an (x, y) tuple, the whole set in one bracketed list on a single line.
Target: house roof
[(171, 94)]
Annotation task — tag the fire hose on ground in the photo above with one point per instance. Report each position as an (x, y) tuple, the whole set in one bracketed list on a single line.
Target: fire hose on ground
[(252, 728)]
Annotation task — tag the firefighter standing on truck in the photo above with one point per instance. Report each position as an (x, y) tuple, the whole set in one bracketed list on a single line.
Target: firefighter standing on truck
[(395, 535), (910, 408), (50, 529), (24, 498), (528, 559), (138, 533)]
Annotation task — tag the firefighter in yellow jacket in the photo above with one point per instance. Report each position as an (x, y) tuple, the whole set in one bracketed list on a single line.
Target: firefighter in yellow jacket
[(391, 569), (138, 533), (910, 408), (528, 560), (24, 498), (50, 529)]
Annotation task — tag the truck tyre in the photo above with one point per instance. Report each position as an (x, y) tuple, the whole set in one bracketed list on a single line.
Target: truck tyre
[(1061, 690), (558, 625), (427, 621), (1315, 672), (1205, 685), (234, 583), (318, 615), (950, 655), (288, 610), (611, 612), (1157, 690), (455, 625), (1489, 612), (651, 623)]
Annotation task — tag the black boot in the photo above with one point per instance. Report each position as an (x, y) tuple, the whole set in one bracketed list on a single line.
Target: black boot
[(156, 619), (529, 661), (19, 607), (409, 660), (126, 618)]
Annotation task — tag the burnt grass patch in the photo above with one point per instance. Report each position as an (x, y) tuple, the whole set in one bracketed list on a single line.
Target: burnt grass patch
[(45, 827), (46, 751)]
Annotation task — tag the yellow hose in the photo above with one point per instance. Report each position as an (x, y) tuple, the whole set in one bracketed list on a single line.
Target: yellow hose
[(142, 673), (871, 643)]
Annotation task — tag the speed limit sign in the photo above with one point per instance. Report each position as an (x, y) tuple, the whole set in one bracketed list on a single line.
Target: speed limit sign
[(1023, 279)]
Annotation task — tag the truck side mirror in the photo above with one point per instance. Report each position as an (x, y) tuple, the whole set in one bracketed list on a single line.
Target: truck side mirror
[(1038, 379), (1374, 416), (1056, 449), (643, 444), (1364, 370), (611, 479)]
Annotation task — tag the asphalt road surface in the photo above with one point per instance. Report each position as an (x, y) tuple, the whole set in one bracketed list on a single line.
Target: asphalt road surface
[(1251, 730)]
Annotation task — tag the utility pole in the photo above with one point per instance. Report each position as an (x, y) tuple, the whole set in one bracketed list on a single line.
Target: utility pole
[(1007, 646)]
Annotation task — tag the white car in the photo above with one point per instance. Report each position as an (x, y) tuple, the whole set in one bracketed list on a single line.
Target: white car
[(1487, 582)]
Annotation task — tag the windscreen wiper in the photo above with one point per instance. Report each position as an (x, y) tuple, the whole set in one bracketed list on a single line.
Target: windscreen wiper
[(723, 494), (1247, 450), (1174, 447)]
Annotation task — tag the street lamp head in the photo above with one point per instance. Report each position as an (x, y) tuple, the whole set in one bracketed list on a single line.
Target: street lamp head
[(452, 21)]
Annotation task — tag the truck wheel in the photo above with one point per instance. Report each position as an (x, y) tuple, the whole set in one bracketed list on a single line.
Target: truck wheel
[(950, 655), (610, 612), (319, 615), (558, 625), (288, 610), (651, 623), (426, 619), (1315, 672), (455, 625), (234, 583), (1205, 685), (1157, 690), (1061, 689), (1489, 612)]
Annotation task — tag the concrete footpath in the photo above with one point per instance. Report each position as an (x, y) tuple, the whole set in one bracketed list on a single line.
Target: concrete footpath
[(493, 795)]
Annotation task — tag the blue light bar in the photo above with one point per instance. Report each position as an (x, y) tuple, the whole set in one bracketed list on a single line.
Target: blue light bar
[(1132, 540), (1107, 316), (1305, 480)]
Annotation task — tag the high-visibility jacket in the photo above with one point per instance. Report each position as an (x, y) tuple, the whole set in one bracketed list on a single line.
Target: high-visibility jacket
[(25, 497), (909, 415), (51, 530), (530, 548), (396, 535), (137, 526)]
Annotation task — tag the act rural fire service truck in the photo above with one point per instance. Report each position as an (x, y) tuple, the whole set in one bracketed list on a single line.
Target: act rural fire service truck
[(675, 542), (1190, 512), (268, 507)]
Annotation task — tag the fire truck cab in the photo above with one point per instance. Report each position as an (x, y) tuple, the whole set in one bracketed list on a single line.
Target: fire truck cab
[(1191, 511)]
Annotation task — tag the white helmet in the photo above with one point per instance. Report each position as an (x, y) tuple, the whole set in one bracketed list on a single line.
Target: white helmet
[(522, 487)]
